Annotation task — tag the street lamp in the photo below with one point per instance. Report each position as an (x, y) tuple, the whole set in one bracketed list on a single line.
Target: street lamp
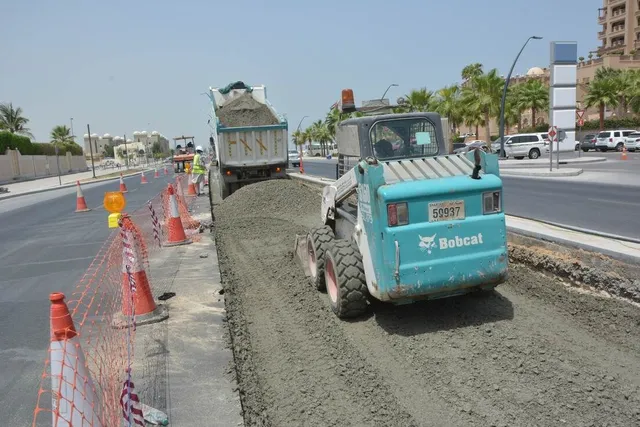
[(299, 124), (146, 144), (504, 95), (72, 135), (385, 92)]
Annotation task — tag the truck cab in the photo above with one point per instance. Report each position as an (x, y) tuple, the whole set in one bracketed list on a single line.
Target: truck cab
[(424, 224)]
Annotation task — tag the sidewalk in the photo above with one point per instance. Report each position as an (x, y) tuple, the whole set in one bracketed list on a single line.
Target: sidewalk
[(610, 246), (52, 183), (513, 163), (563, 172), (185, 360)]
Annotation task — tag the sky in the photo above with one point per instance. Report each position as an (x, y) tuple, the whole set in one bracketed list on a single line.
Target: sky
[(122, 66)]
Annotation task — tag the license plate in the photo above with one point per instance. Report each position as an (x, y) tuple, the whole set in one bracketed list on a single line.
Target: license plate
[(446, 211)]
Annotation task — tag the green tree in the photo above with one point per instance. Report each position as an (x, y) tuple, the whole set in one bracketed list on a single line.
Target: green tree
[(334, 116), (471, 71), (535, 96), (484, 96), (603, 91), (11, 119), (61, 135), (156, 148), (108, 150), (419, 100), (448, 105)]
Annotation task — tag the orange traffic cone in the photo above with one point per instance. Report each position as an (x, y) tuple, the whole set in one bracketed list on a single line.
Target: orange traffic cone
[(176, 234), (143, 179), (137, 299), (156, 174), (191, 190), (623, 156), (301, 166), (81, 204), (123, 187), (73, 392)]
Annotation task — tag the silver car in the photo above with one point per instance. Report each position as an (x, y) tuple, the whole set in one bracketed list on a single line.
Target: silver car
[(294, 158)]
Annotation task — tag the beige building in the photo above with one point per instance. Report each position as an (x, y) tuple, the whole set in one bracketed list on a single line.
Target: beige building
[(620, 50)]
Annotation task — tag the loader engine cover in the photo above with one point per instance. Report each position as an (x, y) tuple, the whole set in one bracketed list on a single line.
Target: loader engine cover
[(430, 229)]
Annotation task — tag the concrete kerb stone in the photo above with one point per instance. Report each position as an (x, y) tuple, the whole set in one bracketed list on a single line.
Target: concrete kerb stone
[(541, 172), (545, 162), (71, 184)]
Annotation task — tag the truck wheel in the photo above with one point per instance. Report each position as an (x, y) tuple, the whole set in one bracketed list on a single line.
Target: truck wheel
[(345, 279), (534, 153), (317, 241)]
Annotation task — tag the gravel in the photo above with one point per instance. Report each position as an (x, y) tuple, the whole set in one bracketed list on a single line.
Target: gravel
[(246, 111), (535, 352)]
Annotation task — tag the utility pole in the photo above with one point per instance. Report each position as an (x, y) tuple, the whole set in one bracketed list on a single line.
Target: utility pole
[(93, 167), (126, 156), (72, 134)]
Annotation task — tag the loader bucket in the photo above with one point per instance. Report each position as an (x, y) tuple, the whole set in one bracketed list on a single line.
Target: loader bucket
[(301, 254)]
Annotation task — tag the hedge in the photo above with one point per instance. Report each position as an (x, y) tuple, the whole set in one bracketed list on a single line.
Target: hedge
[(23, 144)]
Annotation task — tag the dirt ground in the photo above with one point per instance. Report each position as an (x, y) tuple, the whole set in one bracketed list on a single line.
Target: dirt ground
[(536, 352)]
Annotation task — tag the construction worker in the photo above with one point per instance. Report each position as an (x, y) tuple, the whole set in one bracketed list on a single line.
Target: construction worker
[(199, 169)]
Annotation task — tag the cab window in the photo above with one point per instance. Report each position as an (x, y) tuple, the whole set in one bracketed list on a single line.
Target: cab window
[(403, 138)]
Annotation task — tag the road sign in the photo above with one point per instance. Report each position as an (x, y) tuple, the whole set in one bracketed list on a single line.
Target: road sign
[(580, 122), (553, 131), (580, 114)]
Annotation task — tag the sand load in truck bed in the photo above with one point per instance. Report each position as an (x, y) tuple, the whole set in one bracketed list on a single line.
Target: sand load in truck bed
[(246, 111)]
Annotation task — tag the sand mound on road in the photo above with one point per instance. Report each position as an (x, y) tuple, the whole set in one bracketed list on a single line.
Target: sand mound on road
[(533, 353)]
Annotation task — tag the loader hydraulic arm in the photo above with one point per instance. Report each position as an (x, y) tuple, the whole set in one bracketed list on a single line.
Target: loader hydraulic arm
[(336, 193)]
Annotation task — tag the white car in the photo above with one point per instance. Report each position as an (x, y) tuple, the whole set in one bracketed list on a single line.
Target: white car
[(632, 143), (523, 145), (612, 139), (294, 158)]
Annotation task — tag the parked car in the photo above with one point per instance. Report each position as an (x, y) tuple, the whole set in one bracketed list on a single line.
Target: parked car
[(457, 145), (588, 142), (612, 139), (632, 143), (473, 144), (294, 158), (523, 145)]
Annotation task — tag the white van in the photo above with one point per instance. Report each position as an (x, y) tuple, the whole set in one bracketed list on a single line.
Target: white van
[(612, 139)]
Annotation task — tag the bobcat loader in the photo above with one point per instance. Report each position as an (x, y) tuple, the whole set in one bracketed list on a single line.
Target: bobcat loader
[(405, 221)]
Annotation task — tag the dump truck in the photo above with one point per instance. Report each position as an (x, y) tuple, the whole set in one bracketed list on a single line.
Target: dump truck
[(251, 137), (407, 221)]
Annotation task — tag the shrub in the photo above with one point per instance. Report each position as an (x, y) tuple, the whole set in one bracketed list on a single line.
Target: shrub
[(12, 141)]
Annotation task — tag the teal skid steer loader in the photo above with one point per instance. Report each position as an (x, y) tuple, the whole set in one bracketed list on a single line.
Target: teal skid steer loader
[(405, 220)]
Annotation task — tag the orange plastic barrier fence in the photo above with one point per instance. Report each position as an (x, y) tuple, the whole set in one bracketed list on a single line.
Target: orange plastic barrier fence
[(94, 328)]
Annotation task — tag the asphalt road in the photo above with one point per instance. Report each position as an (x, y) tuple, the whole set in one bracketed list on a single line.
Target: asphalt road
[(605, 208), (45, 247)]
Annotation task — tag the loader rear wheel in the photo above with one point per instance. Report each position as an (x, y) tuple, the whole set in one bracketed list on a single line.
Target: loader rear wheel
[(317, 242), (345, 280)]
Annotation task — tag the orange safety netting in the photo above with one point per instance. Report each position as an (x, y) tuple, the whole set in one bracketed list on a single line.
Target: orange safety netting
[(85, 370)]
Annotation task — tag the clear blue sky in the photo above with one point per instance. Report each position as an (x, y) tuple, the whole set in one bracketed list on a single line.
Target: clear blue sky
[(141, 65)]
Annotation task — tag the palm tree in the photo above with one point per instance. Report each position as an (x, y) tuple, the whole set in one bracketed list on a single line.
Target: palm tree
[(448, 105), (419, 100), (471, 115), (535, 96), (484, 95), (602, 92), (298, 140), (61, 135), (471, 71), (11, 119)]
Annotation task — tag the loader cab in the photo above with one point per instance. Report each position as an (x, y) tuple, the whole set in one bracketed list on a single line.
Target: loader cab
[(388, 137)]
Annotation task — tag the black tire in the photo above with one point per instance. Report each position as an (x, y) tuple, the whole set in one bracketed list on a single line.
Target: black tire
[(577, 147), (345, 279), (534, 153), (318, 240), (620, 146), (518, 157), (585, 150)]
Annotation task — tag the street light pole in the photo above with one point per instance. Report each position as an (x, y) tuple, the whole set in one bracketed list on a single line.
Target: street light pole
[(93, 167), (72, 135), (504, 95), (385, 92)]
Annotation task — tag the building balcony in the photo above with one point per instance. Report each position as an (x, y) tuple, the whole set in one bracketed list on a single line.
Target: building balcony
[(602, 34), (636, 44), (612, 2), (612, 48), (617, 30), (619, 12)]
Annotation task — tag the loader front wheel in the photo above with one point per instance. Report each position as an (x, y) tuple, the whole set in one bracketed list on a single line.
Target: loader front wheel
[(317, 242), (345, 280)]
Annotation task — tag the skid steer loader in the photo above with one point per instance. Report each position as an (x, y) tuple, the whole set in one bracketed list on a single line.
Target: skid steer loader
[(405, 220)]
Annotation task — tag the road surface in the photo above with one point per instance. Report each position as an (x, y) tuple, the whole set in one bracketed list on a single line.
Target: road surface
[(46, 247), (606, 208)]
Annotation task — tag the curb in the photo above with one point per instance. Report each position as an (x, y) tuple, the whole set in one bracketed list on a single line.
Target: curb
[(540, 172), (517, 163), (43, 190)]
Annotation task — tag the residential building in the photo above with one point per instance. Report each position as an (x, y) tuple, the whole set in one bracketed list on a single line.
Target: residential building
[(620, 20)]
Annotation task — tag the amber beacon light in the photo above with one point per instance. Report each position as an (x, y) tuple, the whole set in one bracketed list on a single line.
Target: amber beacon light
[(348, 101)]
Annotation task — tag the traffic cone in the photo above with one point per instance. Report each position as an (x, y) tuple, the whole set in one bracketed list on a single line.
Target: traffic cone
[(301, 166), (81, 204), (123, 186), (135, 280), (143, 179), (191, 190), (73, 392), (623, 156), (156, 174), (176, 234)]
